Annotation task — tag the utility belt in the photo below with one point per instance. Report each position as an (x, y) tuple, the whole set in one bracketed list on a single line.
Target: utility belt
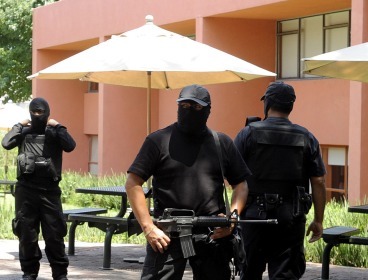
[(285, 208), (270, 201)]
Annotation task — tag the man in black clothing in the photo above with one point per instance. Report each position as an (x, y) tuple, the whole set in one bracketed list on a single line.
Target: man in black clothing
[(284, 159), (40, 143), (184, 163)]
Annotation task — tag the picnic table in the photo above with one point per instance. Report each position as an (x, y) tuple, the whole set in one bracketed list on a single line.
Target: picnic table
[(7, 184), (341, 235), (110, 225), (363, 209)]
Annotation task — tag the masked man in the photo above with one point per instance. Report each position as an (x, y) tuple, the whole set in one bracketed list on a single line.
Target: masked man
[(40, 143), (184, 163)]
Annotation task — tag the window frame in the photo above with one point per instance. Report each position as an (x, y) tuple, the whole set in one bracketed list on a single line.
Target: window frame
[(93, 154), (298, 32)]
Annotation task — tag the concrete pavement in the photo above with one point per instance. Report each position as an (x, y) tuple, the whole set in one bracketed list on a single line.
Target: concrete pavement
[(87, 262)]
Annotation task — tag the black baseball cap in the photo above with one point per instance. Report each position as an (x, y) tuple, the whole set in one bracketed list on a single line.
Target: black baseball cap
[(195, 93), (280, 92)]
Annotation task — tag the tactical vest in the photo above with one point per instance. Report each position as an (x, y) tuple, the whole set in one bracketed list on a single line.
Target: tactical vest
[(277, 159), (34, 159)]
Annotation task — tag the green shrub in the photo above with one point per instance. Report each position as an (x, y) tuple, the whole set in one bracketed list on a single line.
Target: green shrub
[(7, 158), (336, 214), (7, 214), (73, 180)]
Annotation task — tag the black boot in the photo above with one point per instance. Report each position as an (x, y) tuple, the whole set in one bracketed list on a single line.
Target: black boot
[(62, 277), (29, 277)]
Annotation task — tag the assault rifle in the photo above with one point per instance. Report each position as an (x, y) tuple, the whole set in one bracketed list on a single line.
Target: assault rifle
[(180, 222)]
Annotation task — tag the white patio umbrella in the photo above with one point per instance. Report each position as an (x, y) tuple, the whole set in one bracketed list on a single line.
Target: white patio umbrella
[(348, 63), (10, 114), (152, 57)]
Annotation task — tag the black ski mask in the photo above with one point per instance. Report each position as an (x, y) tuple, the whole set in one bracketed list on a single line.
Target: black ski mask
[(191, 120), (39, 121)]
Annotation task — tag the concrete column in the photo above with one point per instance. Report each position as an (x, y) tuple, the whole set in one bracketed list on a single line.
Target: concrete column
[(358, 114)]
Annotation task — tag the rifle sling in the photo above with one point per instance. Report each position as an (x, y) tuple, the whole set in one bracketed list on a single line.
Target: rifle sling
[(219, 153)]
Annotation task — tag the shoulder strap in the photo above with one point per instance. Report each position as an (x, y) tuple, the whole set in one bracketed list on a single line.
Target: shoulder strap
[(252, 119), (219, 153)]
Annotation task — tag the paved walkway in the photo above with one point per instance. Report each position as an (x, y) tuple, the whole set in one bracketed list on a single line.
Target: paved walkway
[(86, 264)]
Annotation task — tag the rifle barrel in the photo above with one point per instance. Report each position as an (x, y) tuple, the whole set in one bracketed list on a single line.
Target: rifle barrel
[(268, 221), (223, 221), (201, 221)]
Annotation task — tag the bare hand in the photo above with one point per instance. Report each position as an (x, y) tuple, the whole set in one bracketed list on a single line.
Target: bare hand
[(222, 232), (25, 122), (317, 230), (158, 240), (52, 122)]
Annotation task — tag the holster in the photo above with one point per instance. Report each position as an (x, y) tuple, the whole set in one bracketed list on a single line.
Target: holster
[(262, 206), (26, 163), (272, 201), (47, 166), (302, 202), (276, 206)]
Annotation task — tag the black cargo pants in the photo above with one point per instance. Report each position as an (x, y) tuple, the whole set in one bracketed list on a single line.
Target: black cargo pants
[(35, 209), (280, 247)]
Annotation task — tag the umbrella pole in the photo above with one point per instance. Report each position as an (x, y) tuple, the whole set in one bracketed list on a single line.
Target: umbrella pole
[(149, 182), (149, 102), (6, 165), (6, 162)]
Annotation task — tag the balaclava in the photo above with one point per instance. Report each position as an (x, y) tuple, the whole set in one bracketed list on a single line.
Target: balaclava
[(279, 94), (39, 122), (191, 121)]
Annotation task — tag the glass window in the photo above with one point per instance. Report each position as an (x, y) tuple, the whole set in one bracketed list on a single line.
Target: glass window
[(336, 39), (93, 155), (289, 56), (336, 156), (337, 18), (338, 183), (93, 168), (289, 26), (92, 87), (335, 159), (288, 48), (309, 36), (311, 42)]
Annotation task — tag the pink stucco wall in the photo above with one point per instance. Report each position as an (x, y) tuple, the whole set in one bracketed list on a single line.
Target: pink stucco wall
[(322, 105), (330, 108), (358, 117)]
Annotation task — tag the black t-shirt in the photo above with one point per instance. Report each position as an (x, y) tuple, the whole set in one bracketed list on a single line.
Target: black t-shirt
[(186, 170)]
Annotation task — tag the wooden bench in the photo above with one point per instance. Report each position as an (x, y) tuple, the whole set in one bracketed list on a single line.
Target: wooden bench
[(333, 237), (74, 224), (109, 225)]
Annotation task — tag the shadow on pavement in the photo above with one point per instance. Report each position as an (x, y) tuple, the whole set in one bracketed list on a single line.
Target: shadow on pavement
[(86, 264)]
